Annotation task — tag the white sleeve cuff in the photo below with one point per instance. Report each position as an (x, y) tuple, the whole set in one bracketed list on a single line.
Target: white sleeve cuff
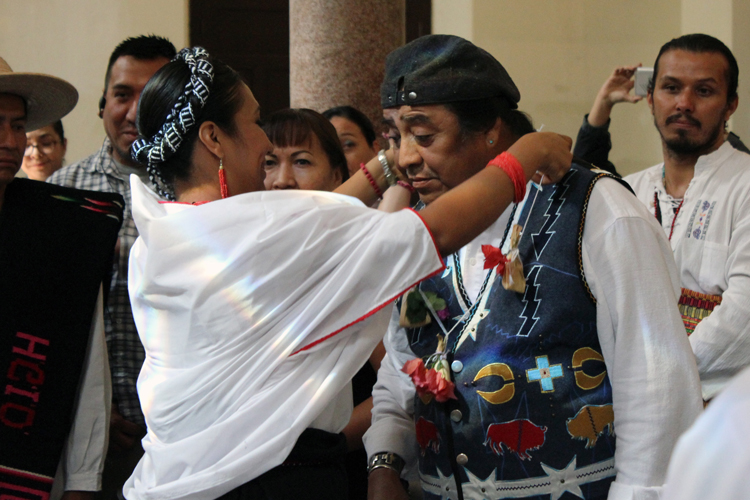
[(83, 482), (620, 491)]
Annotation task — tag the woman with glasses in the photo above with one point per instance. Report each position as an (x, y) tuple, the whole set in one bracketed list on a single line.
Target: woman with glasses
[(45, 151)]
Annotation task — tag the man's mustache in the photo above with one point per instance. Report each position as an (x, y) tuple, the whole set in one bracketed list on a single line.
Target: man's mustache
[(683, 117)]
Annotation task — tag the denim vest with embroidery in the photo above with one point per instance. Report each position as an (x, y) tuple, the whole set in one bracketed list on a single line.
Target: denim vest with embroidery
[(534, 416)]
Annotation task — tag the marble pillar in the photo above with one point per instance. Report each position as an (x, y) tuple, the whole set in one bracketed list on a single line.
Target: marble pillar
[(337, 52)]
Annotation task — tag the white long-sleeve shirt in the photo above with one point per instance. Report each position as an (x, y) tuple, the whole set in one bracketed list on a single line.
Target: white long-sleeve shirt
[(711, 245), (83, 456), (656, 392)]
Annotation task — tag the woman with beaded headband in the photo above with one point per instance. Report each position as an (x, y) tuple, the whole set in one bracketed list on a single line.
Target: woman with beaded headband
[(256, 310)]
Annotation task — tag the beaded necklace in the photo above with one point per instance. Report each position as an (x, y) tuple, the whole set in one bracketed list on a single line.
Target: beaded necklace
[(657, 208), (469, 314)]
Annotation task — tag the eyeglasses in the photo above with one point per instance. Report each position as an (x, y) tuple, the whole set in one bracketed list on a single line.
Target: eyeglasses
[(45, 147)]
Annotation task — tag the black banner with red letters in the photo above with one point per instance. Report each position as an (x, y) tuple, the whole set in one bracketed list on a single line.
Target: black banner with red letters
[(56, 248)]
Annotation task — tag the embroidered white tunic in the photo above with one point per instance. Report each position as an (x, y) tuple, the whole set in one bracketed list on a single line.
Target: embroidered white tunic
[(711, 245), (255, 312)]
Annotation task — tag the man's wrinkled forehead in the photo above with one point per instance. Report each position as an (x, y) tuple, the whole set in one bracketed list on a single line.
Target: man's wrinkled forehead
[(409, 116)]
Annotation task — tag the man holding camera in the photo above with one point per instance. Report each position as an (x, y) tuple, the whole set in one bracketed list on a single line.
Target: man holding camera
[(700, 194)]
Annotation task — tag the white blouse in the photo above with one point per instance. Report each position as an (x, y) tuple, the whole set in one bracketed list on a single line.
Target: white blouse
[(255, 312)]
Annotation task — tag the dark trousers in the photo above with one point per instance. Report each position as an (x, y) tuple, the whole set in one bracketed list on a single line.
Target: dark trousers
[(314, 470)]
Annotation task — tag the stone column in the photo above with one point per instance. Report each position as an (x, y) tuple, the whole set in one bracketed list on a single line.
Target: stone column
[(337, 52)]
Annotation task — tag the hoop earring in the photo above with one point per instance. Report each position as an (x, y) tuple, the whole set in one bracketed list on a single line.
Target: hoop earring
[(223, 180)]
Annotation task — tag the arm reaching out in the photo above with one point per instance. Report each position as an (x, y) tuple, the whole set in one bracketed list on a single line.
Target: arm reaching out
[(593, 143), (468, 209), (461, 214), (616, 89)]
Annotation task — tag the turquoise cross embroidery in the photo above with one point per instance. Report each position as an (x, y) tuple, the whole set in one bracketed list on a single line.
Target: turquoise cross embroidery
[(544, 374)]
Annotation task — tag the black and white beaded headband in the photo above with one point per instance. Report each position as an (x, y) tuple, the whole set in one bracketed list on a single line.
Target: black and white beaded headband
[(184, 113)]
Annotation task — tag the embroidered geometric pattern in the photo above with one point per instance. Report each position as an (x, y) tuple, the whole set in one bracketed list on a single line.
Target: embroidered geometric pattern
[(481, 298), (556, 201), (544, 374), (699, 220), (552, 485), (459, 282), (530, 303), (695, 307)]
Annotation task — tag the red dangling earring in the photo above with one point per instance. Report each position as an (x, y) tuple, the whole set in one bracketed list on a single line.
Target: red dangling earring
[(223, 180)]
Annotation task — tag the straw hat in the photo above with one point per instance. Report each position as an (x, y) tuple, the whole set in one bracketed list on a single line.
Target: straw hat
[(48, 98)]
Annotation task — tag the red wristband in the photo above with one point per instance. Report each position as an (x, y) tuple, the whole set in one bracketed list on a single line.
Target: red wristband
[(406, 185), (513, 169), (371, 180)]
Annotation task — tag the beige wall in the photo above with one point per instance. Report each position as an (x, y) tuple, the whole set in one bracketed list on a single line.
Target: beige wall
[(559, 52), (741, 49), (73, 39)]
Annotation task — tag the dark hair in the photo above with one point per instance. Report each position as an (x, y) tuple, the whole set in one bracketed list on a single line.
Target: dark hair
[(480, 115), (292, 127), (58, 128), (159, 97), (355, 116), (144, 47), (699, 43)]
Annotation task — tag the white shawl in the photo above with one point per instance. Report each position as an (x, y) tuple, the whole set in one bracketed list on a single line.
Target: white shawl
[(255, 311)]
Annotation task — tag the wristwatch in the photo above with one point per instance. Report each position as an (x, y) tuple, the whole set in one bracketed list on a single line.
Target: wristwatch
[(390, 177), (387, 461)]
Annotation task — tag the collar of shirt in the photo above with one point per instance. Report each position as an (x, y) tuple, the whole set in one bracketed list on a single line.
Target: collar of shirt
[(104, 163), (705, 165)]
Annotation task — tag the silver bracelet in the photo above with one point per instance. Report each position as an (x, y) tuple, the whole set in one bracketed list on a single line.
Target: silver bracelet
[(385, 460), (390, 177)]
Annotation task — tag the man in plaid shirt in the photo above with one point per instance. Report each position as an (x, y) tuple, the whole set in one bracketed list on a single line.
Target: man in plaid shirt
[(131, 65)]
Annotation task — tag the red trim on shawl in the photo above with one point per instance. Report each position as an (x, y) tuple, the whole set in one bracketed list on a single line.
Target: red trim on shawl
[(381, 306), (362, 318), (429, 231), (195, 204)]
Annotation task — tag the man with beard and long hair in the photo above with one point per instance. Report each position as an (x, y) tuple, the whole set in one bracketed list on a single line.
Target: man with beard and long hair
[(700, 195)]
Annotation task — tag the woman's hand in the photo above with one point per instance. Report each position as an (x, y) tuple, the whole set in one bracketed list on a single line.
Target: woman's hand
[(545, 152), (618, 86)]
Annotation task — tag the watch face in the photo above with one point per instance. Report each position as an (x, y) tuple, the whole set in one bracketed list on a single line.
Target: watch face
[(386, 460)]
